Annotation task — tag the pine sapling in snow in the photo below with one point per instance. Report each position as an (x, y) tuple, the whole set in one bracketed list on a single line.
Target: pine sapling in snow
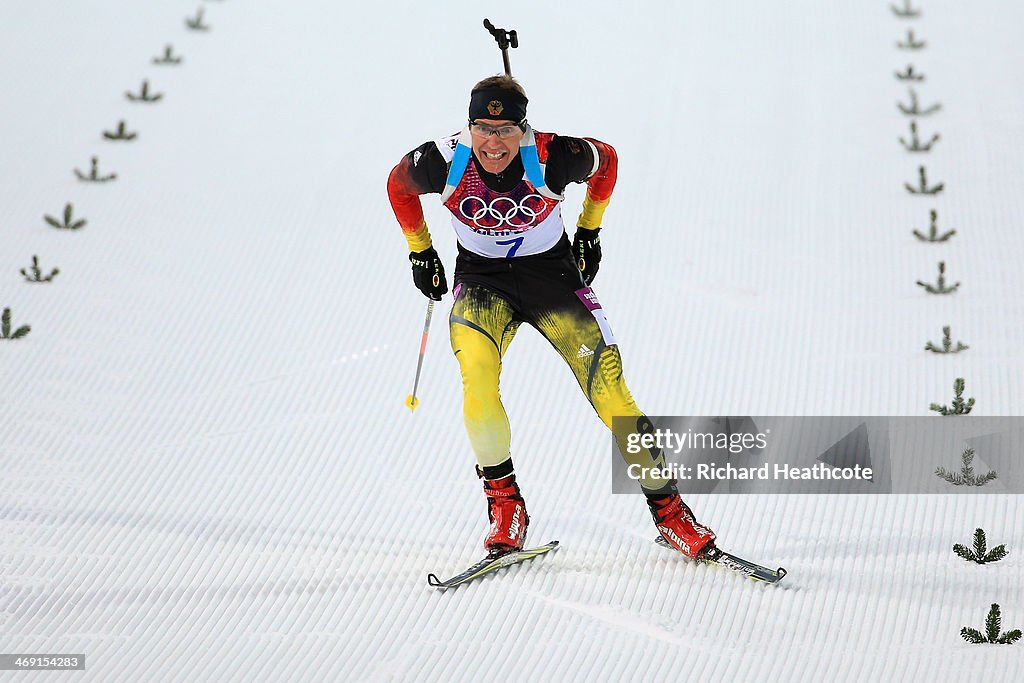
[(980, 553), (120, 134), (168, 57), (933, 232), (144, 94), (993, 625), (911, 43), (5, 327), (909, 74), (960, 407), (94, 174), (947, 344), (905, 12), (966, 475), (915, 144), (940, 286), (35, 274), (68, 223), (922, 185), (196, 23), (913, 109)]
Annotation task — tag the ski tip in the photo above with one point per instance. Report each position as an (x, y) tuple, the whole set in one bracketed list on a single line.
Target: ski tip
[(432, 580)]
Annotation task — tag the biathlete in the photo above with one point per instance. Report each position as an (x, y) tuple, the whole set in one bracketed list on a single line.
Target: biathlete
[(502, 181)]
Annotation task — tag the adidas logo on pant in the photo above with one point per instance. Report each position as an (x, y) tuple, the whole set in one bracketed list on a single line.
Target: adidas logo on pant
[(584, 351)]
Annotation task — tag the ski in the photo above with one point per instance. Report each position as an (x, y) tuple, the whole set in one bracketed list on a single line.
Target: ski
[(737, 564), (491, 563)]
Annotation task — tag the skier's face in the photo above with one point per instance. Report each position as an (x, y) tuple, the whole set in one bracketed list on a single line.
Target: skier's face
[(494, 152)]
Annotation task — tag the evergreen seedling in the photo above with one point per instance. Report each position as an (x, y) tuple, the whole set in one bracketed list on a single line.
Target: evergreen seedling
[(933, 231), (979, 554), (196, 23), (905, 12), (94, 174), (959, 406), (915, 142), (144, 94), (36, 275), (168, 57), (993, 625), (5, 327), (911, 43), (120, 134), (966, 476), (940, 286), (947, 344), (914, 109), (909, 74), (68, 224), (922, 187)]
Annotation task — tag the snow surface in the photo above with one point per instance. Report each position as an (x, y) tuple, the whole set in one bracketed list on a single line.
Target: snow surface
[(208, 472)]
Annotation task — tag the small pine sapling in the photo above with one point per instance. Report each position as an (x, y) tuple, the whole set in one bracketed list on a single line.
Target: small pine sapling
[(960, 407), (196, 23), (915, 144), (966, 475), (947, 344), (168, 57), (993, 626), (35, 274), (911, 43), (940, 286), (68, 223), (933, 232), (914, 108), (5, 327), (905, 12), (909, 74), (120, 134), (94, 174), (923, 187), (980, 553), (144, 94)]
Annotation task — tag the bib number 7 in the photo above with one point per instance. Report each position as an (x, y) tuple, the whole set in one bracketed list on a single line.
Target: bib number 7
[(513, 245)]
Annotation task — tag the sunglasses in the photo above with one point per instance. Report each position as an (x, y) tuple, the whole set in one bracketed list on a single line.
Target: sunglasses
[(486, 130)]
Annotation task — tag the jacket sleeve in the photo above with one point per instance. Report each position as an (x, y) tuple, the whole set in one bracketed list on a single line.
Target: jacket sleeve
[(579, 160), (421, 171)]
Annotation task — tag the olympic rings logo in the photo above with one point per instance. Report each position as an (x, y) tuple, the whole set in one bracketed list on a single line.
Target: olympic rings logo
[(502, 211)]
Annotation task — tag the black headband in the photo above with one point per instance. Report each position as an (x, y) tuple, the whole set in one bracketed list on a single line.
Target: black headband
[(499, 104)]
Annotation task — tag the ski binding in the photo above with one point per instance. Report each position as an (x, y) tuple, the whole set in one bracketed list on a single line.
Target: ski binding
[(492, 562), (736, 564)]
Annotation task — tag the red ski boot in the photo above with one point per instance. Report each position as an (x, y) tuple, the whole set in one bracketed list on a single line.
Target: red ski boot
[(506, 511), (678, 526)]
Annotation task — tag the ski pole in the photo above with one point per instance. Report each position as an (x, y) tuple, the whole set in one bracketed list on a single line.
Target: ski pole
[(411, 401), (505, 39)]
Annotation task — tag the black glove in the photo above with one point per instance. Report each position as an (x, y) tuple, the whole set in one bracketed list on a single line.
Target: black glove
[(586, 249), (428, 273)]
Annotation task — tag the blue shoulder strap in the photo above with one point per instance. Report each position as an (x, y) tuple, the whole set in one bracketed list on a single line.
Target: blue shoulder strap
[(460, 160), (531, 162), (527, 149)]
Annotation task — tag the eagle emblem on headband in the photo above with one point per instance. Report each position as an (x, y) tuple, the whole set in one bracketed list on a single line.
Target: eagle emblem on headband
[(495, 107)]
